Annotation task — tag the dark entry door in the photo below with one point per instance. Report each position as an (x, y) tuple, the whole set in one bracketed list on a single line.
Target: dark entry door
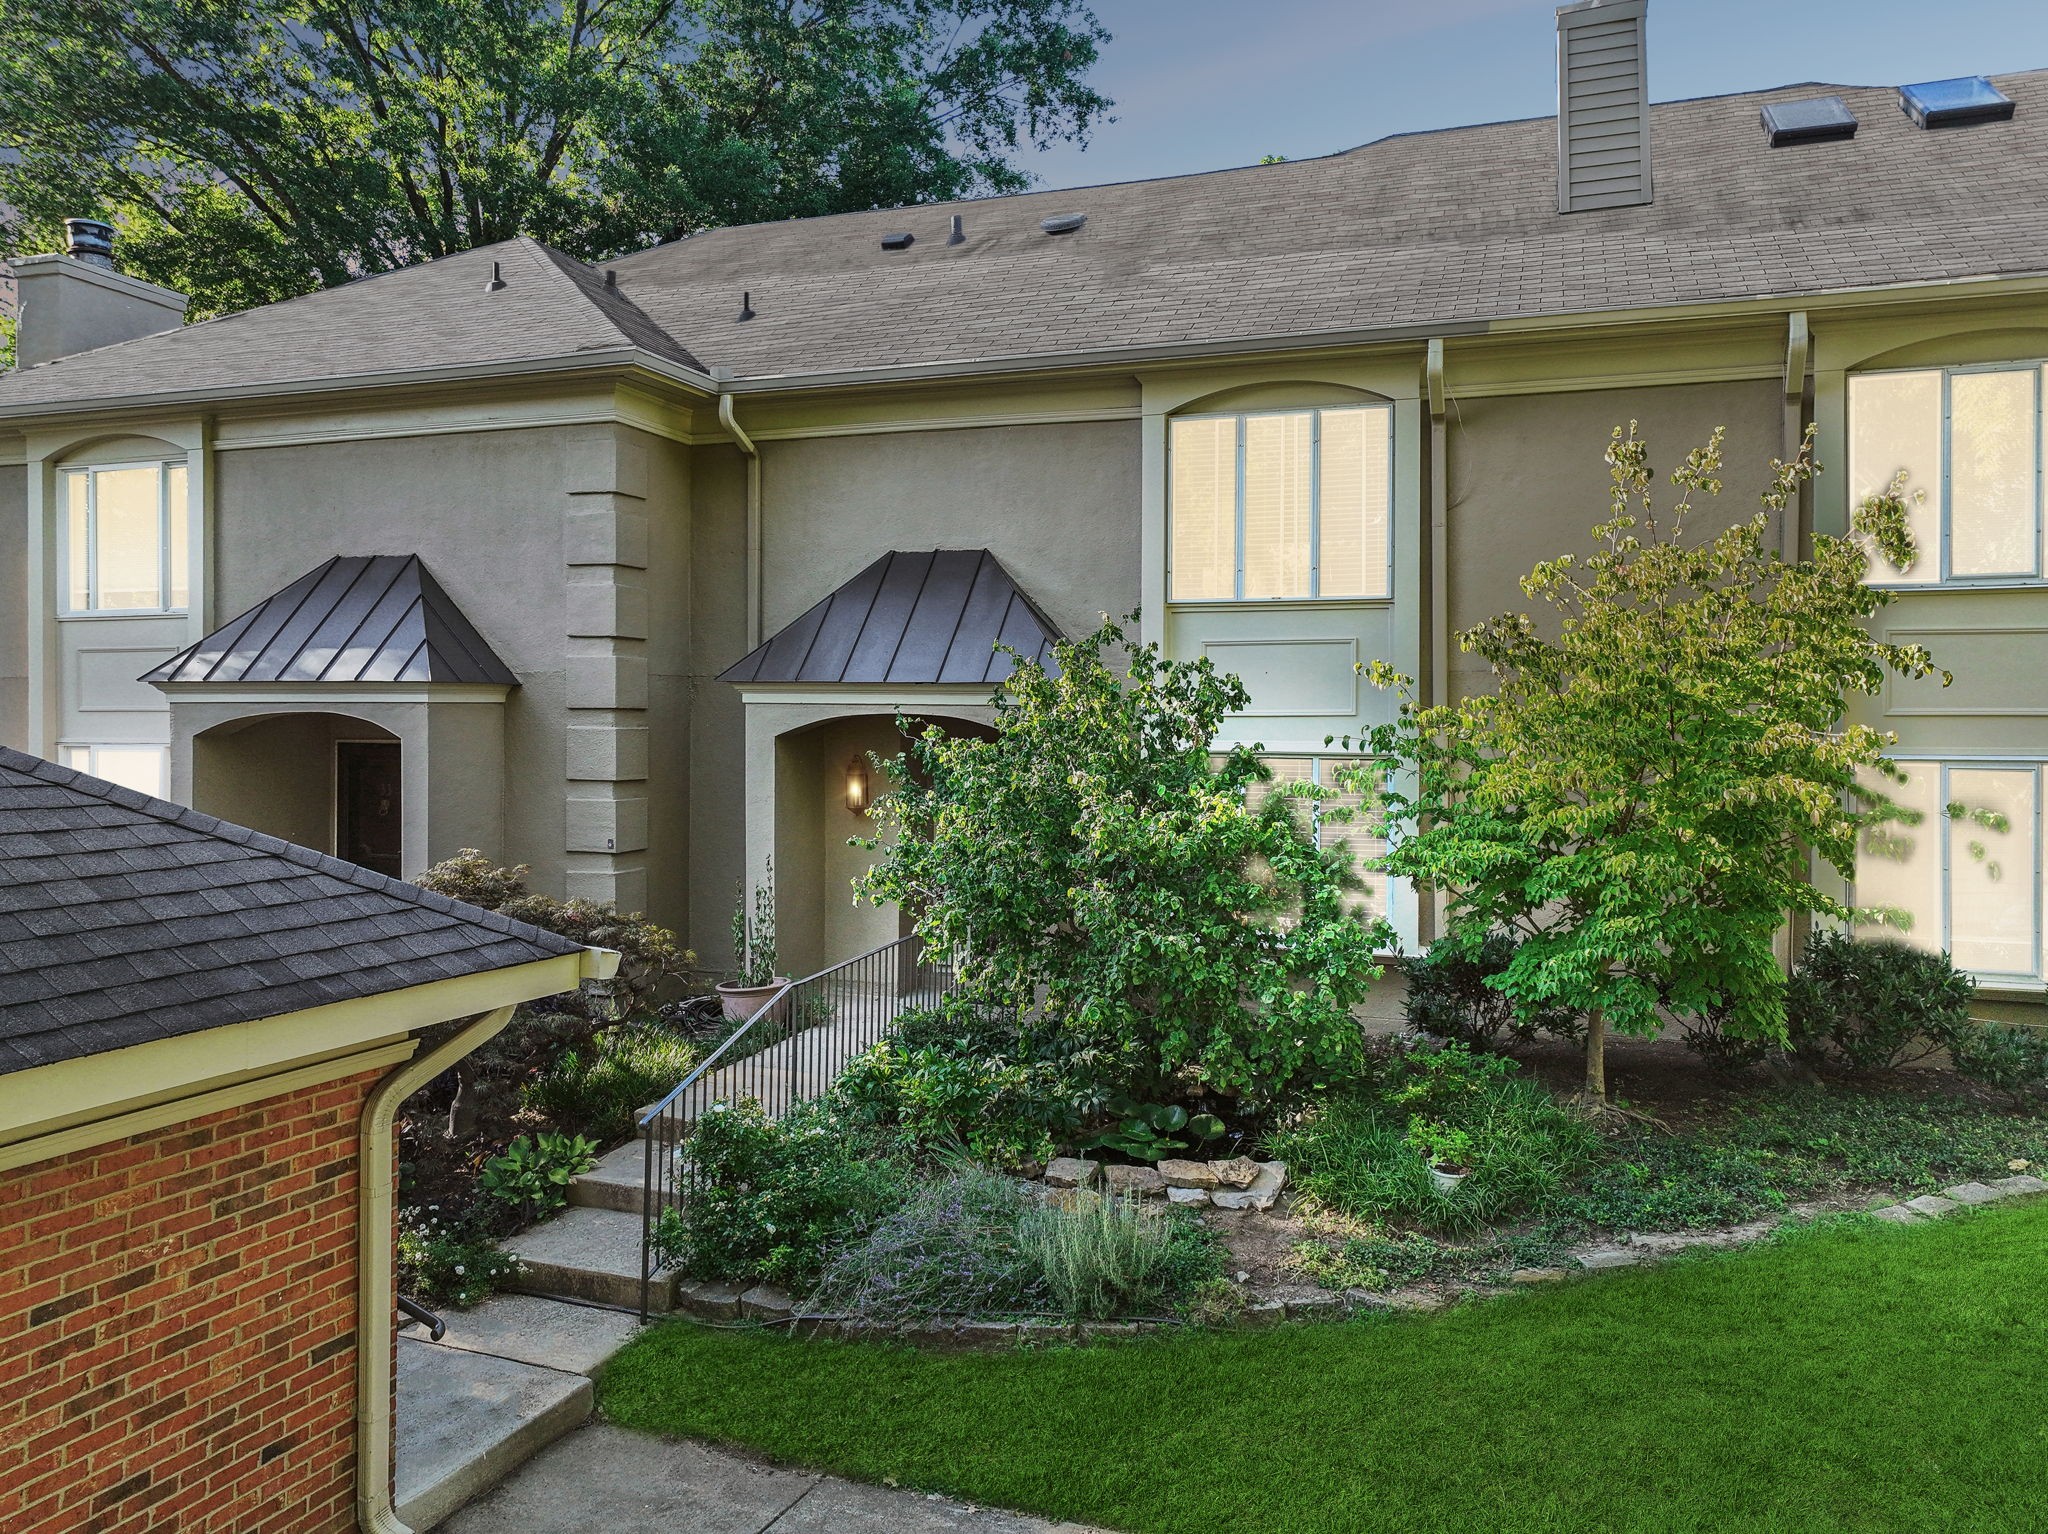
[(368, 825)]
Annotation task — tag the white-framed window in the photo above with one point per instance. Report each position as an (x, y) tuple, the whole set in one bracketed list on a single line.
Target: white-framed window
[(1364, 834), (1280, 505), (1963, 874), (1969, 439), (126, 539), (146, 769)]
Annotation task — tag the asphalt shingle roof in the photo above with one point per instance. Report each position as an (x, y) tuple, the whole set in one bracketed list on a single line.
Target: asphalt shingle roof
[(933, 616), (357, 618), (125, 919), (1429, 230)]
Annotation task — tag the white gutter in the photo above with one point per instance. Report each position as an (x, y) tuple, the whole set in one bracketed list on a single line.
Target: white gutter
[(376, 1171), (730, 422)]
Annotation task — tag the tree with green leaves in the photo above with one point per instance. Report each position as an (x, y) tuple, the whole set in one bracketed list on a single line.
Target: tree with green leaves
[(1154, 910), (1639, 796), (254, 152)]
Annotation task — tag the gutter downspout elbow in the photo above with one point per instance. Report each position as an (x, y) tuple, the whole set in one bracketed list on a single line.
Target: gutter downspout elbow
[(376, 1167), (730, 422)]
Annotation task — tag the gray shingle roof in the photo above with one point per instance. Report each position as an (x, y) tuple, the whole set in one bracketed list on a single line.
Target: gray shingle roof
[(1420, 231), (925, 617), (359, 618), (125, 919)]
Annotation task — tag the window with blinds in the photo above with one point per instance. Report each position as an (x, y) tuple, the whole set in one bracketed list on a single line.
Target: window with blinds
[(1285, 505)]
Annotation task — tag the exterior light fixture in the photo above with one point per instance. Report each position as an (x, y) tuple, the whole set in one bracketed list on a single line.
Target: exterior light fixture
[(857, 786)]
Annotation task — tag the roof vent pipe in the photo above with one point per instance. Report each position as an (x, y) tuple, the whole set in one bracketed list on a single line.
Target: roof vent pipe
[(1603, 105), (497, 279), (89, 240), (746, 306), (959, 234)]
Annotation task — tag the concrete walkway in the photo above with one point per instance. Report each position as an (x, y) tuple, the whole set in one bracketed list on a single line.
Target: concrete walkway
[(607, 1480)]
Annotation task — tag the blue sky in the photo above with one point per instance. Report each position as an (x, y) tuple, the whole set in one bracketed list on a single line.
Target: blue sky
[(1202, 84)]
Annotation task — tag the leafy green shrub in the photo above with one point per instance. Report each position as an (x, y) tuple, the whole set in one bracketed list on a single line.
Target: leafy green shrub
[(532, 1175), (1449, 997), (2013, 1056), (1154, 1131), (1871, 1006), (1105, 1256), (950, 1250), (600, 1089), (1710, 1033), (771, 1198), (449, 1262)]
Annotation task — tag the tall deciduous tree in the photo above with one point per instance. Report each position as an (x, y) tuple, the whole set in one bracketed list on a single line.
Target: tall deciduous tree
[(1155, 910), (252, 152), (1639, 794)]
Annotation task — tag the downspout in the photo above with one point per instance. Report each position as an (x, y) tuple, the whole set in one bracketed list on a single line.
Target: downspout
[(377, 1165), (1439, 581), (746, 445)]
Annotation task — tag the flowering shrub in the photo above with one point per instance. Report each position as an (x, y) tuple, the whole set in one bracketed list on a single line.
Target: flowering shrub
[(449, 1261), (950, 1250)]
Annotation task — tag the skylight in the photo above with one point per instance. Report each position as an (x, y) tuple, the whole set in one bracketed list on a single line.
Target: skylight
[(1950, 103), (1804, 122)]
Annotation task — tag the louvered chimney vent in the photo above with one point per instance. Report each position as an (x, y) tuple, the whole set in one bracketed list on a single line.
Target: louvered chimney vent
[(1603, 106)]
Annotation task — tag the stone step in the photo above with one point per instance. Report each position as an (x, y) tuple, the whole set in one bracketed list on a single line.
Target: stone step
[(588, 1254), (615, 1182), (467, 1420), (528, 1329)]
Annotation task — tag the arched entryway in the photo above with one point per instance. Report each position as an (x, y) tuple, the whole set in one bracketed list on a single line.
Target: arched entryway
[(326, 780)]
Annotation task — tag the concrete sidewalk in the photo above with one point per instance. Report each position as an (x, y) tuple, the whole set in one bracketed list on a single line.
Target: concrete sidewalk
[(604, 1478)]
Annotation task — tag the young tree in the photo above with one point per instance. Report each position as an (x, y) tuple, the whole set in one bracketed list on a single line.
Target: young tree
[(254, 152), (1099, 870), (1639, 795)]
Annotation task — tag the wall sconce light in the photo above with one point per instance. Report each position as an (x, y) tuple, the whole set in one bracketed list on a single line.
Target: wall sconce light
[(857, 786)]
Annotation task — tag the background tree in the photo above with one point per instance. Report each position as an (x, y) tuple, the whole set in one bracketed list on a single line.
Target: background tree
[(1134, 896), (1638, 796), (254, 152)]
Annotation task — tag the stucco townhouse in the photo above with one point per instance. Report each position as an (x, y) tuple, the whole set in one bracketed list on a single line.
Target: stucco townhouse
[(621, 571)]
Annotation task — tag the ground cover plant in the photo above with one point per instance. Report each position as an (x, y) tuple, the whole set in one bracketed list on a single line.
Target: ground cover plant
[(1852, 1376), (1640, 795)]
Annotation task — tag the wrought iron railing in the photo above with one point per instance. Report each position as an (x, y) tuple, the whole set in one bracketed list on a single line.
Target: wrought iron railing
[(786, 1053)]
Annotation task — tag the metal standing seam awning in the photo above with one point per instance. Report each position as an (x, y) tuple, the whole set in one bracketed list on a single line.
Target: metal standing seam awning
[(357, 618), (934, 616)]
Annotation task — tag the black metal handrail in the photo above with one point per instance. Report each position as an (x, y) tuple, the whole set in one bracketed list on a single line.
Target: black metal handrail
[(415, 1311), (786, 1053)]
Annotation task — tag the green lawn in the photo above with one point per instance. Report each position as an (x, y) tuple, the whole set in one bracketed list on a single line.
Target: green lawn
[(1859, 1378)]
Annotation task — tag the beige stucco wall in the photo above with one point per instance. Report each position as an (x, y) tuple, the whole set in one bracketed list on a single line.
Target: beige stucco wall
[(276, 774), (718, 727), (13, 604), (1528, 480)]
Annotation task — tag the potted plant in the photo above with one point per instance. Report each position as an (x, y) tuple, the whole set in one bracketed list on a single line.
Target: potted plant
[(753, 953), (1447, 1150)]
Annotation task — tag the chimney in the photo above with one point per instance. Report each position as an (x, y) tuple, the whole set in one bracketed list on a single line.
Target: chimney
[(78, 301), (1603, 105)]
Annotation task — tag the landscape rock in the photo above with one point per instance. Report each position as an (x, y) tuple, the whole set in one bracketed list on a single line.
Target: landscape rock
[(2013, 1187), (1318, 1307), (1898, 1214), (1611, 1257), (1931, 1205), (1237, 1172), (1105, 1331), (765, 1302), (1972, 1193), (1134, 1181), (711, 1301), (987, 1334), (1188, 1174), (818, 1323), (1537, 1276), (1266, 1313), (1265, 1188), (1415, 1299), (1071, 1172), (1187, 1195)]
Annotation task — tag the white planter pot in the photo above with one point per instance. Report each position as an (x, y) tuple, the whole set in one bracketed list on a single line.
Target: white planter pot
[(1446, 1182), (740, 1002)]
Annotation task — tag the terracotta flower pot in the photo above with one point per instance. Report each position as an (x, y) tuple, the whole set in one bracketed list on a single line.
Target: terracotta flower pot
[(740, 1002)]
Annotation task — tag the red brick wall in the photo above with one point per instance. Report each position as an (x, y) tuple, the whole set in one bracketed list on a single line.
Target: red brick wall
[(177, 1327)]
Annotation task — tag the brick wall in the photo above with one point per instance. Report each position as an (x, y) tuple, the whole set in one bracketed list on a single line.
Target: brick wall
[(177, 1327)]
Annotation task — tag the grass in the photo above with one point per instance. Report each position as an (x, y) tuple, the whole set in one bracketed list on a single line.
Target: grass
[(1850, 1376)]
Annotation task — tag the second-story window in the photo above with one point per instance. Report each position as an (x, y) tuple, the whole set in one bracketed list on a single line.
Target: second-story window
[(1280, 505), (1969, 440), (126, 540)]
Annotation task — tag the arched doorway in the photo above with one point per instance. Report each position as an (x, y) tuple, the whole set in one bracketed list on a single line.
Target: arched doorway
[(325, 780)]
